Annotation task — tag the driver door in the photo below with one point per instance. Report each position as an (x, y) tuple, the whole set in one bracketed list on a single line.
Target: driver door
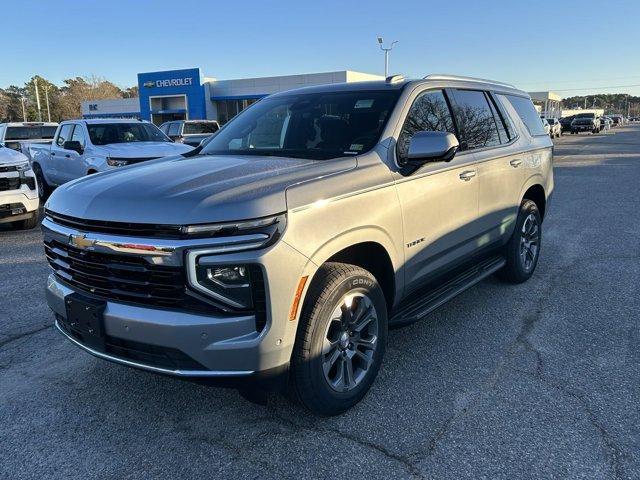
[(439, 201), (72, 162), (55, 172)]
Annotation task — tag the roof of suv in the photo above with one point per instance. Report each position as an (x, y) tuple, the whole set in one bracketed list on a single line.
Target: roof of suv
[(93, 121), (399, 83)]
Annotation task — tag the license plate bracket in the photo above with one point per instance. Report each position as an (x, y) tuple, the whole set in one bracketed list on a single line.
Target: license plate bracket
[(85, 317)]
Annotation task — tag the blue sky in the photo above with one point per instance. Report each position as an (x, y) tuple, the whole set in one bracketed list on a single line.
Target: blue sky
[(571, 47)]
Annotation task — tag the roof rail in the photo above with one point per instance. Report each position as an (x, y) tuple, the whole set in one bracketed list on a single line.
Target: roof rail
[(441, 76), (394, 79)]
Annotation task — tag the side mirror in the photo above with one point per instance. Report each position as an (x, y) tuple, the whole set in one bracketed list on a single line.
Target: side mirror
[(73, 145), (432, 147)]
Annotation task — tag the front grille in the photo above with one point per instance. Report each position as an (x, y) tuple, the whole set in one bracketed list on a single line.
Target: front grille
[(143, 230), (9, 184), (124, 278), (11, 168)]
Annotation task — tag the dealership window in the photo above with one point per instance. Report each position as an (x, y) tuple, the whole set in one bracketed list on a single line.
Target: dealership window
[(227, 109)]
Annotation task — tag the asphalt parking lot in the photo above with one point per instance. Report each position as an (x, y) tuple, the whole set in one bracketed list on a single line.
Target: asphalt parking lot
[(540, 380)]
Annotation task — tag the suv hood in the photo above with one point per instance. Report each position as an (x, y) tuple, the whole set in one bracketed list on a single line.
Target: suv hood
[(145, 149), (8, 156), (199, 189)]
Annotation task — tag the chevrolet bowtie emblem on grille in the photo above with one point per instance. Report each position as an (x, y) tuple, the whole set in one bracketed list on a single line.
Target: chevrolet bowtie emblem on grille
[(81, 242)]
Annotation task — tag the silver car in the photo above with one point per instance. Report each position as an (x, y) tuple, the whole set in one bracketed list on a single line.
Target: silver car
[(279, 255)]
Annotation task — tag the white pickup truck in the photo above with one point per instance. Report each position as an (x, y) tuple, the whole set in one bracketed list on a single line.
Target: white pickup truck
[(83, 147), (20, 135)]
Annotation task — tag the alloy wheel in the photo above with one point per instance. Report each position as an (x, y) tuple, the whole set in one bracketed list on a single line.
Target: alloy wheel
[(350, 342), (529, 242)]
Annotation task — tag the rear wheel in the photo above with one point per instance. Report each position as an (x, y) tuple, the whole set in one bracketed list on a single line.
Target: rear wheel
[(523, 250), (341, 339)]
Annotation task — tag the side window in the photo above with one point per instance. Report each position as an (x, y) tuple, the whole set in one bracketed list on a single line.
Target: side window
[(78, 135), (165, 128), (429, 112), (503, 129), (475, 120), (527, 113), (174, 129), (65, 134)]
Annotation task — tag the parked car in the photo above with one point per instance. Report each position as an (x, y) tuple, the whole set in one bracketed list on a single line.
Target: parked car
[(565, 123), (585, 122), (546, 126), (555, 127), (190, 132), (279, 254), (18, 190), (617, 120), (605, 123), (19, 135), (83, 147)]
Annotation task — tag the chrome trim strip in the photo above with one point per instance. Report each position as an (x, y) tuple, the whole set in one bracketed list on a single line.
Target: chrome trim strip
[(177, 373), (147, 247)]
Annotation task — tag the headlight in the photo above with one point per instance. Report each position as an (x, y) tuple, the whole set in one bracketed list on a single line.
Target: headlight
[(229, 284), (112, 162), (23, 167), (275, 223)]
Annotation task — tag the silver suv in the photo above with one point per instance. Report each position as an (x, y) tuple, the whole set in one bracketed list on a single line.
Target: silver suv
[(280, 252)]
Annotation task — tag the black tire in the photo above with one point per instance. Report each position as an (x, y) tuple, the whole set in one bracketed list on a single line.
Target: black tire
[(29, 223), (310, 385), (44, 190), (517, 269)]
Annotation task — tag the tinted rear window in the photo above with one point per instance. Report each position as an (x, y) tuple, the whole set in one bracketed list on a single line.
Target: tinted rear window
[(30, 133), (199, 128), (527, 113), (475, 120)]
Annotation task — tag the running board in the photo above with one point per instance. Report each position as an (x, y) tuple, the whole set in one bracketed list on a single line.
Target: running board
[(420, 307)]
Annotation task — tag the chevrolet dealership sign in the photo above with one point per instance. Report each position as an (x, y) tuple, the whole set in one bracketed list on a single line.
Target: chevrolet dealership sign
[(171, 82)]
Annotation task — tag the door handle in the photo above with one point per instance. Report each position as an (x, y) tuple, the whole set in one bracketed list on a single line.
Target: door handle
[(68, 156), (53, 153), (467, 175), (515, 163)]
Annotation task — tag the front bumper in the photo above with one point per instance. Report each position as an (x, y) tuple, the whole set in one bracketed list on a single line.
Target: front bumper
[(582, 128), (21, 198), (223, 346)]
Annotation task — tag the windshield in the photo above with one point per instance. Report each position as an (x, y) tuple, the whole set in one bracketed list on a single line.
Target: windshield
[(200, 128), (30, 133), (313, 125), (107, 133)]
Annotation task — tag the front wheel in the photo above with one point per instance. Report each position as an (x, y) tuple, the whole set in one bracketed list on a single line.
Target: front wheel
[(523, 249), (29, 223), (341, 339), (44, 190)]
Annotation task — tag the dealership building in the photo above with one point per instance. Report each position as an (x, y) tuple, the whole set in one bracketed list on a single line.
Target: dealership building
[(187, 95)]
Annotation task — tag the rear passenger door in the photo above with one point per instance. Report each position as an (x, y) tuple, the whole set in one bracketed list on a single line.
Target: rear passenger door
[(491, 136), (439, 201)]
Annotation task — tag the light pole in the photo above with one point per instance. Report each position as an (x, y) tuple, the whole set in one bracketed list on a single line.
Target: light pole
[(46, 94), (35, 82), (386, 54), (24, 111)]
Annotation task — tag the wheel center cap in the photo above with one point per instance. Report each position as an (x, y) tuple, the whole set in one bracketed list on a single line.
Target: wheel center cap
[(344, 340)]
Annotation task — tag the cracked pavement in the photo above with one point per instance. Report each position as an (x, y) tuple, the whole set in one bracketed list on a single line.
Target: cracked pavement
[(539, 380)]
